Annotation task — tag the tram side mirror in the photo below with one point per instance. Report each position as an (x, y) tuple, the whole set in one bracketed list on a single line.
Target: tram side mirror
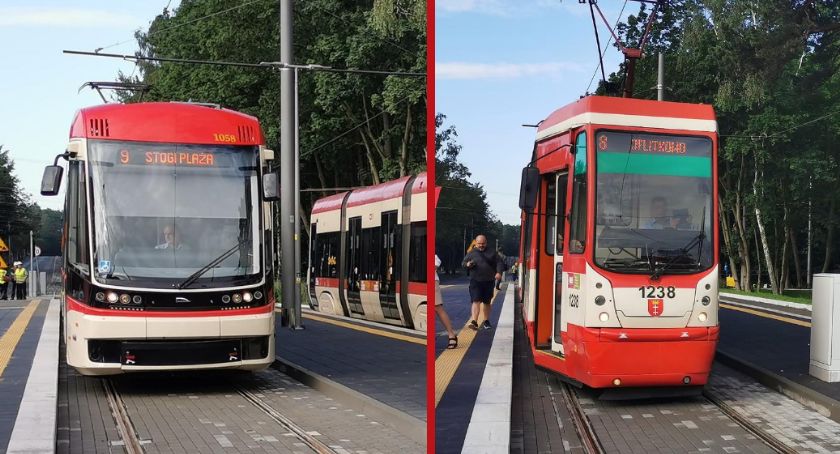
[(528, 188), (271, 187), (51, 181)]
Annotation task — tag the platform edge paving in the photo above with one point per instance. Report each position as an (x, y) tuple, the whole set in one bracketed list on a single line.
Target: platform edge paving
[(402, 422), (806, 396), (35, 426), (489, 427)]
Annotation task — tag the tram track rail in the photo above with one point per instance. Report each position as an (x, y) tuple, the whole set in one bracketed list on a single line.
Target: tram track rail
[(315, 444), (125, 427), (588, 438), (748, 425)]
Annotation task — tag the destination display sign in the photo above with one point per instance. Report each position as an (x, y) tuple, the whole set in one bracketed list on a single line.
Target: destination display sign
[(166, 158), (662, 144)]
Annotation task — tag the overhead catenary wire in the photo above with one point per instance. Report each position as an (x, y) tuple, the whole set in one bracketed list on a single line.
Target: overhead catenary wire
[(242, 64), (778, 134), (604, 52)]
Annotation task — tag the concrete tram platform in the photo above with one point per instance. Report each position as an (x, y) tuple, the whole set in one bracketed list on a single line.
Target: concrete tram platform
[(473, 381), (380, 368), (771, 343), (28, 380)]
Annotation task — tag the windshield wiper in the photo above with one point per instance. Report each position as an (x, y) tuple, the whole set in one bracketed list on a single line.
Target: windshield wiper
[(193, 277), (683, 251)]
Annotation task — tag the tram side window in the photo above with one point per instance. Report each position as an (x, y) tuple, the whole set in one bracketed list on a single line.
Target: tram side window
[(577, 232), (327, 258), (417, 253), (76, 207), (550, 215)]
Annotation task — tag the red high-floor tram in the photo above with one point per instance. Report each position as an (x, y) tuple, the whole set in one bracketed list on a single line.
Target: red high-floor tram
[(619, 242)]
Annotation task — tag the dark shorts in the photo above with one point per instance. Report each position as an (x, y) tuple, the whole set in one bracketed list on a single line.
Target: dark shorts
[(481, 291)]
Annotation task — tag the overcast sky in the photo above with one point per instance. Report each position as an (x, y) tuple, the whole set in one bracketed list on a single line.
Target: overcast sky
[(504, 63)]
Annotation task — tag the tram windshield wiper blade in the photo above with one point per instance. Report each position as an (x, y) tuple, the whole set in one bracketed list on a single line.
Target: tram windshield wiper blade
[(193, 277)]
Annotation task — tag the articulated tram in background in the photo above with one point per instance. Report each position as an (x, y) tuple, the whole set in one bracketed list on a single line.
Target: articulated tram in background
[(166, 239), (619, 242), (368, 253)]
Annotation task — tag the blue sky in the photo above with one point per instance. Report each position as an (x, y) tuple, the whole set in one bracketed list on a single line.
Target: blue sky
[(504, 63), (39, 85)]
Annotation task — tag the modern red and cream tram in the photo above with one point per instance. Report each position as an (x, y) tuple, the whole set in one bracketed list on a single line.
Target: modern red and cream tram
[(368, 253), (166, 239), (619, 243)]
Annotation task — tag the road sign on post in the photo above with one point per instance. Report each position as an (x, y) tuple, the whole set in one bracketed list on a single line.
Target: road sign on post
[(3, 247), (37, 251)]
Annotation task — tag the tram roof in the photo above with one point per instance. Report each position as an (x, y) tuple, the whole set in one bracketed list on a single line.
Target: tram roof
[(167, 122), (371, 194), (628, 112)]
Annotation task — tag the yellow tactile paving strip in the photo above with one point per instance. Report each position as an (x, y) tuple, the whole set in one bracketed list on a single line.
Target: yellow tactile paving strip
[(767, 315), (449, 360), (12, 336), (366, 329)]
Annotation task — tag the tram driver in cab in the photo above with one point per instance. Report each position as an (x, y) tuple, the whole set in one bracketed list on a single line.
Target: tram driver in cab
[(659, 218), (172, 239)]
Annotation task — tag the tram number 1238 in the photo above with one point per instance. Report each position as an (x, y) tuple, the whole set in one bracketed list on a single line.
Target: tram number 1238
[(574, 300), (657, 292)]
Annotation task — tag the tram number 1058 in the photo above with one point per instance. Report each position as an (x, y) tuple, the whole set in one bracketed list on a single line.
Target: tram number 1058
[(657, 292)]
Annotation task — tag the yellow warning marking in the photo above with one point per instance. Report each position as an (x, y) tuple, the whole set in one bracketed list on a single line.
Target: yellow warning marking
[(553, 354), (3, 247), (450, 359), (3, 262), (766, 315), (12, 336), (448, 285), (366, 329)]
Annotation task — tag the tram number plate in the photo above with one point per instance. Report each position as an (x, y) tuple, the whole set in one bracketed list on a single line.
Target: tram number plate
[(574, 300), (657, 292)]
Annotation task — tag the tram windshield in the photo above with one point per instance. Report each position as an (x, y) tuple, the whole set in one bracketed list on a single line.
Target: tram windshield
[(654, 203), (163, 211)]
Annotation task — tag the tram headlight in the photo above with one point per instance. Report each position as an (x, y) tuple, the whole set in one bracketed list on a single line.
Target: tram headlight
[(125, 299), (137, 299), (237, 298), (100, 297), (600, 300), (702, 317), (113, 297), (225, 299), (604, 317), (247, 297), (258, 295), (706, 300)]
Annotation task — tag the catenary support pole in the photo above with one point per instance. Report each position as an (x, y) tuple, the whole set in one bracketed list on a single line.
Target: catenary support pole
[(660, 78), (297, 316), (287, 162)]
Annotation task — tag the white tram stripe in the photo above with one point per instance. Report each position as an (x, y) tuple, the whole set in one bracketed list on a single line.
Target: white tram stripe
[(643, 121), (34, 430), (489, 429)]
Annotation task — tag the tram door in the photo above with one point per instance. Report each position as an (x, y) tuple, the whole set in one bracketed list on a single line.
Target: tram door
[(390, 265), (353, 272), (555, 226)]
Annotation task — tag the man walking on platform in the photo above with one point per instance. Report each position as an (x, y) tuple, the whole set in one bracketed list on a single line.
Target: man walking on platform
[(485, 268), (20, 281)]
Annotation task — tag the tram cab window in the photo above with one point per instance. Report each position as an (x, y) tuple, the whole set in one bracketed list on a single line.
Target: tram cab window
[(577, 232)]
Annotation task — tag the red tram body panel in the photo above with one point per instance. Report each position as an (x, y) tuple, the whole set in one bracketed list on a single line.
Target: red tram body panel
[(619, 243)]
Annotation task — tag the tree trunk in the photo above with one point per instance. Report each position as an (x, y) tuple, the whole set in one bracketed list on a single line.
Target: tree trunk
[(374, 172), (794, 249), (771, 274), (739, 212), (727, 240), (829, 236), (320, 170), (405, 142)]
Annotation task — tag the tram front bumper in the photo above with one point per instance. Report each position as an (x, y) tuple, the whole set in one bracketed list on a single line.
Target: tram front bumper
[(614, 357), (96, 344)]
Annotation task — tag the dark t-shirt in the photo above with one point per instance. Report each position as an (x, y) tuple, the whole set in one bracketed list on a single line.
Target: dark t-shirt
[(487, 264)]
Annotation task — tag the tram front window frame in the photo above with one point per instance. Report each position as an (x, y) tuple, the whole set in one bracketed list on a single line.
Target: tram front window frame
[(134, 199), (629, 237)]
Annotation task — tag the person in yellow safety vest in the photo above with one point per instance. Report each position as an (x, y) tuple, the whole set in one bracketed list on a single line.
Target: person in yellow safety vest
[(3, 285), (20, 281)]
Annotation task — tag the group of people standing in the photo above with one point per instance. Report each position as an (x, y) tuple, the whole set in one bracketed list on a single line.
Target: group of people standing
[(13, 282)]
